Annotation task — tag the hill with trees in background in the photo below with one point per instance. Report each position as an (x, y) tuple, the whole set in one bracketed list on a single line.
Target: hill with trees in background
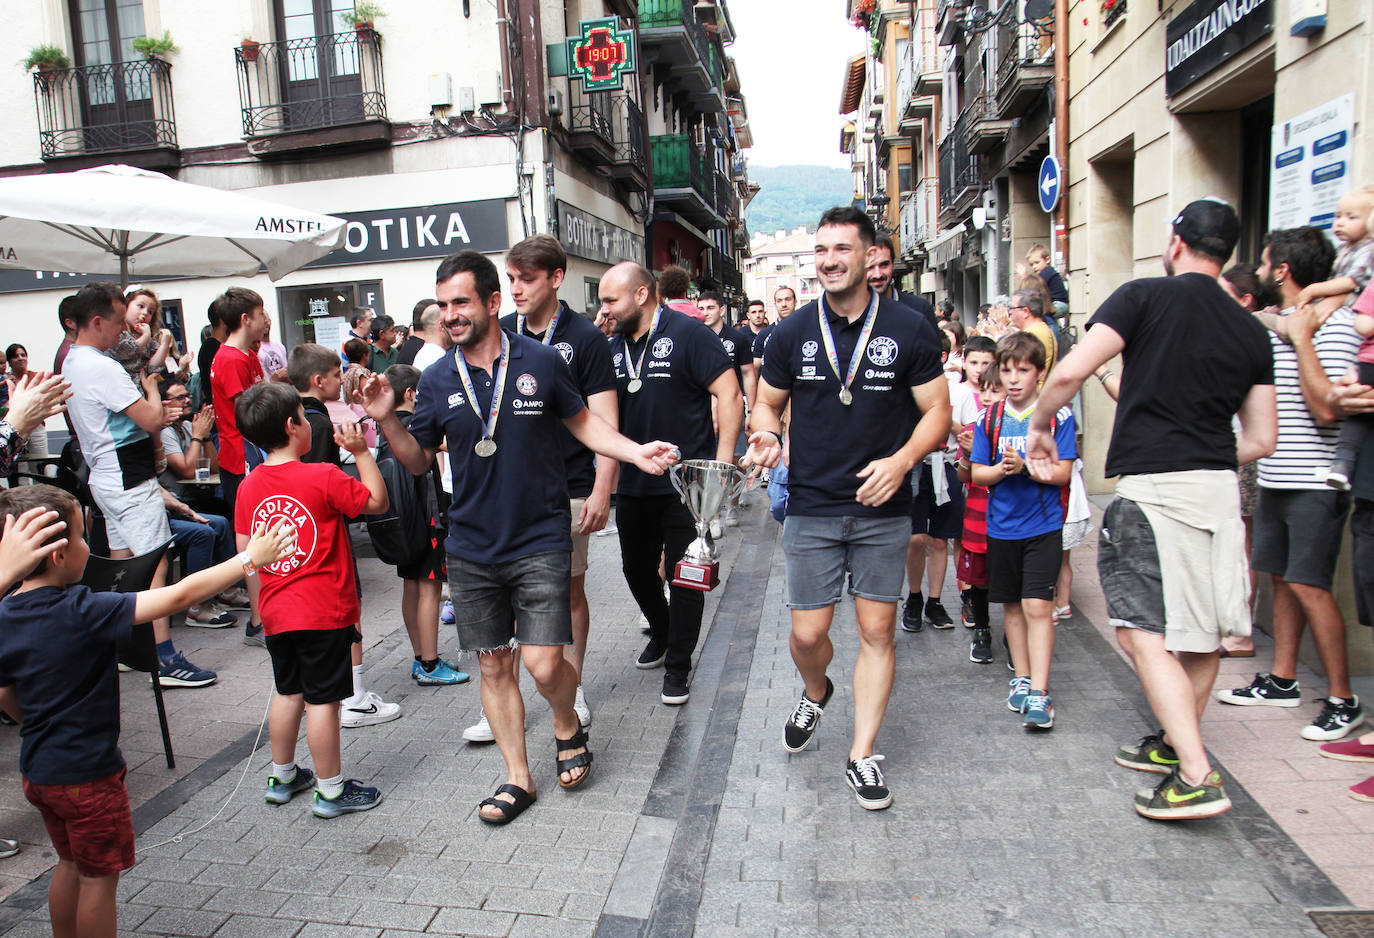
[(795, 195)]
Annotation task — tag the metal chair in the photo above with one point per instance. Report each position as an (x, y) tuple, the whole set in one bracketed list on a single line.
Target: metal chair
[(132, 575)]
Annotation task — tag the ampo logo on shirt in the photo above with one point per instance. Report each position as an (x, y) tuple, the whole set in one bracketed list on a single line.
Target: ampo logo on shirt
[(882, 351), (285, 508)]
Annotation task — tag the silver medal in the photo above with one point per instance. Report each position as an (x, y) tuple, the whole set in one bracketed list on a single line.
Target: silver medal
[(845, 397), (634, 385), (485, 447)]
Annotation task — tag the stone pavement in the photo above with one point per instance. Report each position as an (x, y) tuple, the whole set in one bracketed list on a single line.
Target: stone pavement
[(696, 820)]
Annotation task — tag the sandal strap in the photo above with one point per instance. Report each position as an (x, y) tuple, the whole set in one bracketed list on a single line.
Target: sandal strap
[(577, 739), (509, 810), (576, 762)]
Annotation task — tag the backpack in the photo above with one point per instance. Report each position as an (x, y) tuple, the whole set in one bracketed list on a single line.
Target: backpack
[(401, 534), (992, 428)]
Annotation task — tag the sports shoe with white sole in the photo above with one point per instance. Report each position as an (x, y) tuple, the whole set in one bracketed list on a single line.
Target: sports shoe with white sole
[(355, 797), (1262, 692), (236, 598), (209, 616), (866, 780), (1175, 800), (369, 711), (176, 671), (1336, 720), (279, 792), (480, 732), (584, 712), (801, 725)]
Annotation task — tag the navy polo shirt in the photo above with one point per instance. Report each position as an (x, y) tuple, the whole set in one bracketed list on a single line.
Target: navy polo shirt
[(58, 649), (740, 347), (830, 442), (674, 405), (918, 303), (587, 354), (513, 503), (761, 340)]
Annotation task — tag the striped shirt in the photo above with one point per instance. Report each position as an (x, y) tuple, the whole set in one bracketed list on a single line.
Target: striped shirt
[(1305, 450)]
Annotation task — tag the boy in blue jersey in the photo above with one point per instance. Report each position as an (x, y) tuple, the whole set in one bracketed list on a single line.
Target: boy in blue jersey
[(1025, 522)]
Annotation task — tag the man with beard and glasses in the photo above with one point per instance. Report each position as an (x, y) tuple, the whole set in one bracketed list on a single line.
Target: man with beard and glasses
[(863, 378)]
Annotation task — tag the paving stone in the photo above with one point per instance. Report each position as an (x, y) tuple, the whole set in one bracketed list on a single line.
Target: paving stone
[(473, 922), (184, 922)]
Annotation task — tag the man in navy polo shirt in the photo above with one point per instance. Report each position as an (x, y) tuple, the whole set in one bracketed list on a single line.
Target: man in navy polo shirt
[(498, 401), (669, 369), (869, 401), (885, 285), (784, 302), (535, 268)]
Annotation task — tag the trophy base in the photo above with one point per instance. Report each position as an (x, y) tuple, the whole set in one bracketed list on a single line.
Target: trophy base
[(697, 576)]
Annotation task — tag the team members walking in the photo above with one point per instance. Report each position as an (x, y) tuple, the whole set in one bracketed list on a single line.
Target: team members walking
[(869, 401)]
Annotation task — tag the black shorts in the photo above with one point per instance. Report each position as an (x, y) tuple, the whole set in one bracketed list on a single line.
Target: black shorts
[(944, 522), (429, 567), (1297, 534), (315, 663), (1024, 569)]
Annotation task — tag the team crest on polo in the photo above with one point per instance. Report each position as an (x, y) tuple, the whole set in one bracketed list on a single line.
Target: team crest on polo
[(729, 346), (618, 359), (455, 399), (566, 351), (663, 347), (809, 349), (526, 384), (882, 351)]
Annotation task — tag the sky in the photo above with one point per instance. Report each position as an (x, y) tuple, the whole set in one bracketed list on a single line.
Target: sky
[(791, 56)]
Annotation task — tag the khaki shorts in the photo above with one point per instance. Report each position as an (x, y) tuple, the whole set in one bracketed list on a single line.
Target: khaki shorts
[(580, 541)]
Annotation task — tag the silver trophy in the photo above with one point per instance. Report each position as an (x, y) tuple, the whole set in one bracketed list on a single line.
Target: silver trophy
[(705, 485)]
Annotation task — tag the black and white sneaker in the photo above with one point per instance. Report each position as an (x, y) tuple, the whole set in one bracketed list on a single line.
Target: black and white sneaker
[(966, 613), (676, 690), (866, 779), (980, 649), (801, 725), (936, 615), (1262, 692), (1337, 719), (911, 615), (651, 657)]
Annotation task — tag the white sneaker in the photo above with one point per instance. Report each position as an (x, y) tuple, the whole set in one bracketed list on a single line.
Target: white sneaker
[(480, 732), (584, 712), (731, 518), (643, 624), (236, 598), (369, 711)]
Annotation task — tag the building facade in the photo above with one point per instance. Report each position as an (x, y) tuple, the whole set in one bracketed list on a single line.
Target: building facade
[(782, 259), (430, 130)]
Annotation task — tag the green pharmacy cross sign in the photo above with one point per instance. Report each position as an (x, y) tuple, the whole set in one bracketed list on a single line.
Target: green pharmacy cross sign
[(601, 55)]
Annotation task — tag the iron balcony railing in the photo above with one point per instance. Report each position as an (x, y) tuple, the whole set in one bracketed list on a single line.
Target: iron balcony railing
[(669, 14), (1114, 13), (959, 169), (593, 116), (1023, 43), (110, 108), (906, 76), (918, 215), (725, 196), (677, 164), (311, 83), (629, 134)]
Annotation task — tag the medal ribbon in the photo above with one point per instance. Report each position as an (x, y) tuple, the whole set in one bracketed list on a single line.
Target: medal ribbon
[(548, 333), (828, 340), (497, 392), (635, 367)]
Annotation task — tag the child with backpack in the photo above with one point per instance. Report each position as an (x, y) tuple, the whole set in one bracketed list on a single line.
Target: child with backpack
[(410, 537), (317, 376), (1025, 521)]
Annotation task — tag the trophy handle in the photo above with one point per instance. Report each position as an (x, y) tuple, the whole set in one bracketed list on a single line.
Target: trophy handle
[(675, 477)]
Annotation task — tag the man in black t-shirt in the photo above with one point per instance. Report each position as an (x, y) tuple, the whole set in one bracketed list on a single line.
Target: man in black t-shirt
[(869, 401), (671, 372), (1192, 359)]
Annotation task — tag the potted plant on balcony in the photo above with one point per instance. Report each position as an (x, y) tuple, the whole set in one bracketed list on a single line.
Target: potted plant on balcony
[(363, 15), (249, 49), (46, 58), (155, 47)]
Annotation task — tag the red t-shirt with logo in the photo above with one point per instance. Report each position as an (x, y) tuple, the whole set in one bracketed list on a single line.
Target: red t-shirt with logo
[(314, 587), (231, 373)]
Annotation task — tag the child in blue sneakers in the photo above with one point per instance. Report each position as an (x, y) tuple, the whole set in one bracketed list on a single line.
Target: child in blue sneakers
[(310, 599), (1025, 518)]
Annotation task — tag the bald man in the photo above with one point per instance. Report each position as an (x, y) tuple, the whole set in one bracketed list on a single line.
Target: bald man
[(668, 369)]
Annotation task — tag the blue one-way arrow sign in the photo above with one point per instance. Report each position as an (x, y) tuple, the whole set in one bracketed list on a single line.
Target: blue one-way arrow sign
[(1048, 184)]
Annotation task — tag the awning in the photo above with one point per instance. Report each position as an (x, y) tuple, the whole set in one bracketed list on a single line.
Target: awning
[(853, 85), (947, 246)]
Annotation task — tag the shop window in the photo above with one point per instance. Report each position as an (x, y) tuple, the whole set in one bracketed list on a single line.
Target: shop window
[(320, 312)]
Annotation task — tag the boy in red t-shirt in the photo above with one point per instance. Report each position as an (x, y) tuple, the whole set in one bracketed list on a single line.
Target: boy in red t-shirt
[(309, 600), (234, 370), (973, 553)]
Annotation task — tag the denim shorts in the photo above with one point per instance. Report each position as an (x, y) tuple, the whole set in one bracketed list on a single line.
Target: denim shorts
[(819, 550), (522, 601)]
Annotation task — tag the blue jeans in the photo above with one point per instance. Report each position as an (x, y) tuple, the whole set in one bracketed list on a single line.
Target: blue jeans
[(202, 545)]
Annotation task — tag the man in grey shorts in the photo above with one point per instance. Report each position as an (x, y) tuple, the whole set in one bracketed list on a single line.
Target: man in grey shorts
[(1299, 520), (498, 400), (869, 401), (1193, 358)]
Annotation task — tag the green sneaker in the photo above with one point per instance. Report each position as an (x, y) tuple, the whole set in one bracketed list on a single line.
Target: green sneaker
[(279, 792), (1151, 754), (1176, 800)]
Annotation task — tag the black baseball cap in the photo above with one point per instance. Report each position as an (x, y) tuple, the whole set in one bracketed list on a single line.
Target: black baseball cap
[(1208, 226)]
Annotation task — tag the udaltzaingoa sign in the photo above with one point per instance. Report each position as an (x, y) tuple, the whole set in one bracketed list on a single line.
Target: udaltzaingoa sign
[(1208, 33), (601, 54)]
